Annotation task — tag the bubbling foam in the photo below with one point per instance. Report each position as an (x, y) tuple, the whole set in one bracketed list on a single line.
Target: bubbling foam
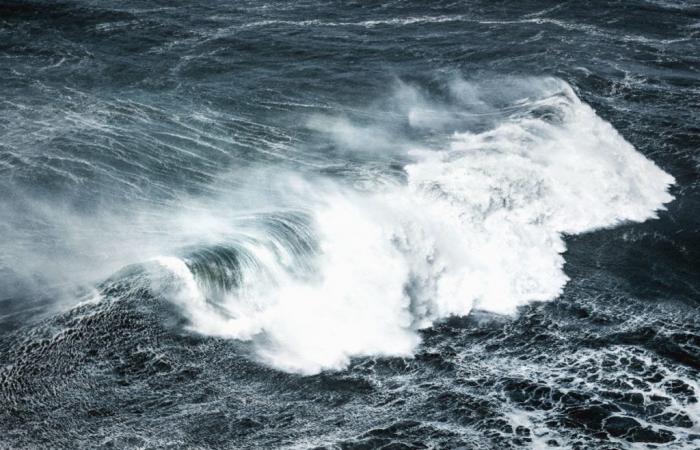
[(476, 224)]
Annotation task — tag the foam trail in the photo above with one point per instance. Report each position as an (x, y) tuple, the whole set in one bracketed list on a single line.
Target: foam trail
[(477, 224)]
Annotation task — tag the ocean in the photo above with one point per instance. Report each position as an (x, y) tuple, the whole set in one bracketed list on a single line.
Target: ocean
[(349, 225)]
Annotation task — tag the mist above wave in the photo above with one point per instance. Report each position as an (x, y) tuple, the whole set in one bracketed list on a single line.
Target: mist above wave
[(426, 204)]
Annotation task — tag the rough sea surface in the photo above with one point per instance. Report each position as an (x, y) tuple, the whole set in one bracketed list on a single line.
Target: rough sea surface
[(349, 225)]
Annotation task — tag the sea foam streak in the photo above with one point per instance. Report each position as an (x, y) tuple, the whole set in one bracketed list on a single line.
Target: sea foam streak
[(476, 224)]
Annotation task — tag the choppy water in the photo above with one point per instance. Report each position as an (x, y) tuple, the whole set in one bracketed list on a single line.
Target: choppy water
[(349, 225)]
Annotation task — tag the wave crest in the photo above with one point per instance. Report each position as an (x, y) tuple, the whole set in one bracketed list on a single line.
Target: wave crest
[(476, 223)]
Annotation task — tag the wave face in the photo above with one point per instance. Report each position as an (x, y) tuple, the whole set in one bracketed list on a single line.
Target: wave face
[(477, 223)]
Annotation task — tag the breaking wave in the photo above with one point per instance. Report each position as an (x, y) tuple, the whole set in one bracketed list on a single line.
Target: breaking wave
[(475, 224)]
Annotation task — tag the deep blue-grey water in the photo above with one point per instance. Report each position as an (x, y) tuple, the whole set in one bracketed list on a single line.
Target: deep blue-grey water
[(349, 225)]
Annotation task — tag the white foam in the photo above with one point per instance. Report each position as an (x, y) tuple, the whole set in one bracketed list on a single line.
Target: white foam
[(478, 224)]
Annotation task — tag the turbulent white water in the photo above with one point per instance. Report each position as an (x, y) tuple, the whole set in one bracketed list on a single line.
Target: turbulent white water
[(476, 224)]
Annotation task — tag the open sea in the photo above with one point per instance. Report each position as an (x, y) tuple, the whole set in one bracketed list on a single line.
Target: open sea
[(349, 225)]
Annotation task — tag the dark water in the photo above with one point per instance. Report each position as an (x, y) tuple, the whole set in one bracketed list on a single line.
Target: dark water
[(351, 225)]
